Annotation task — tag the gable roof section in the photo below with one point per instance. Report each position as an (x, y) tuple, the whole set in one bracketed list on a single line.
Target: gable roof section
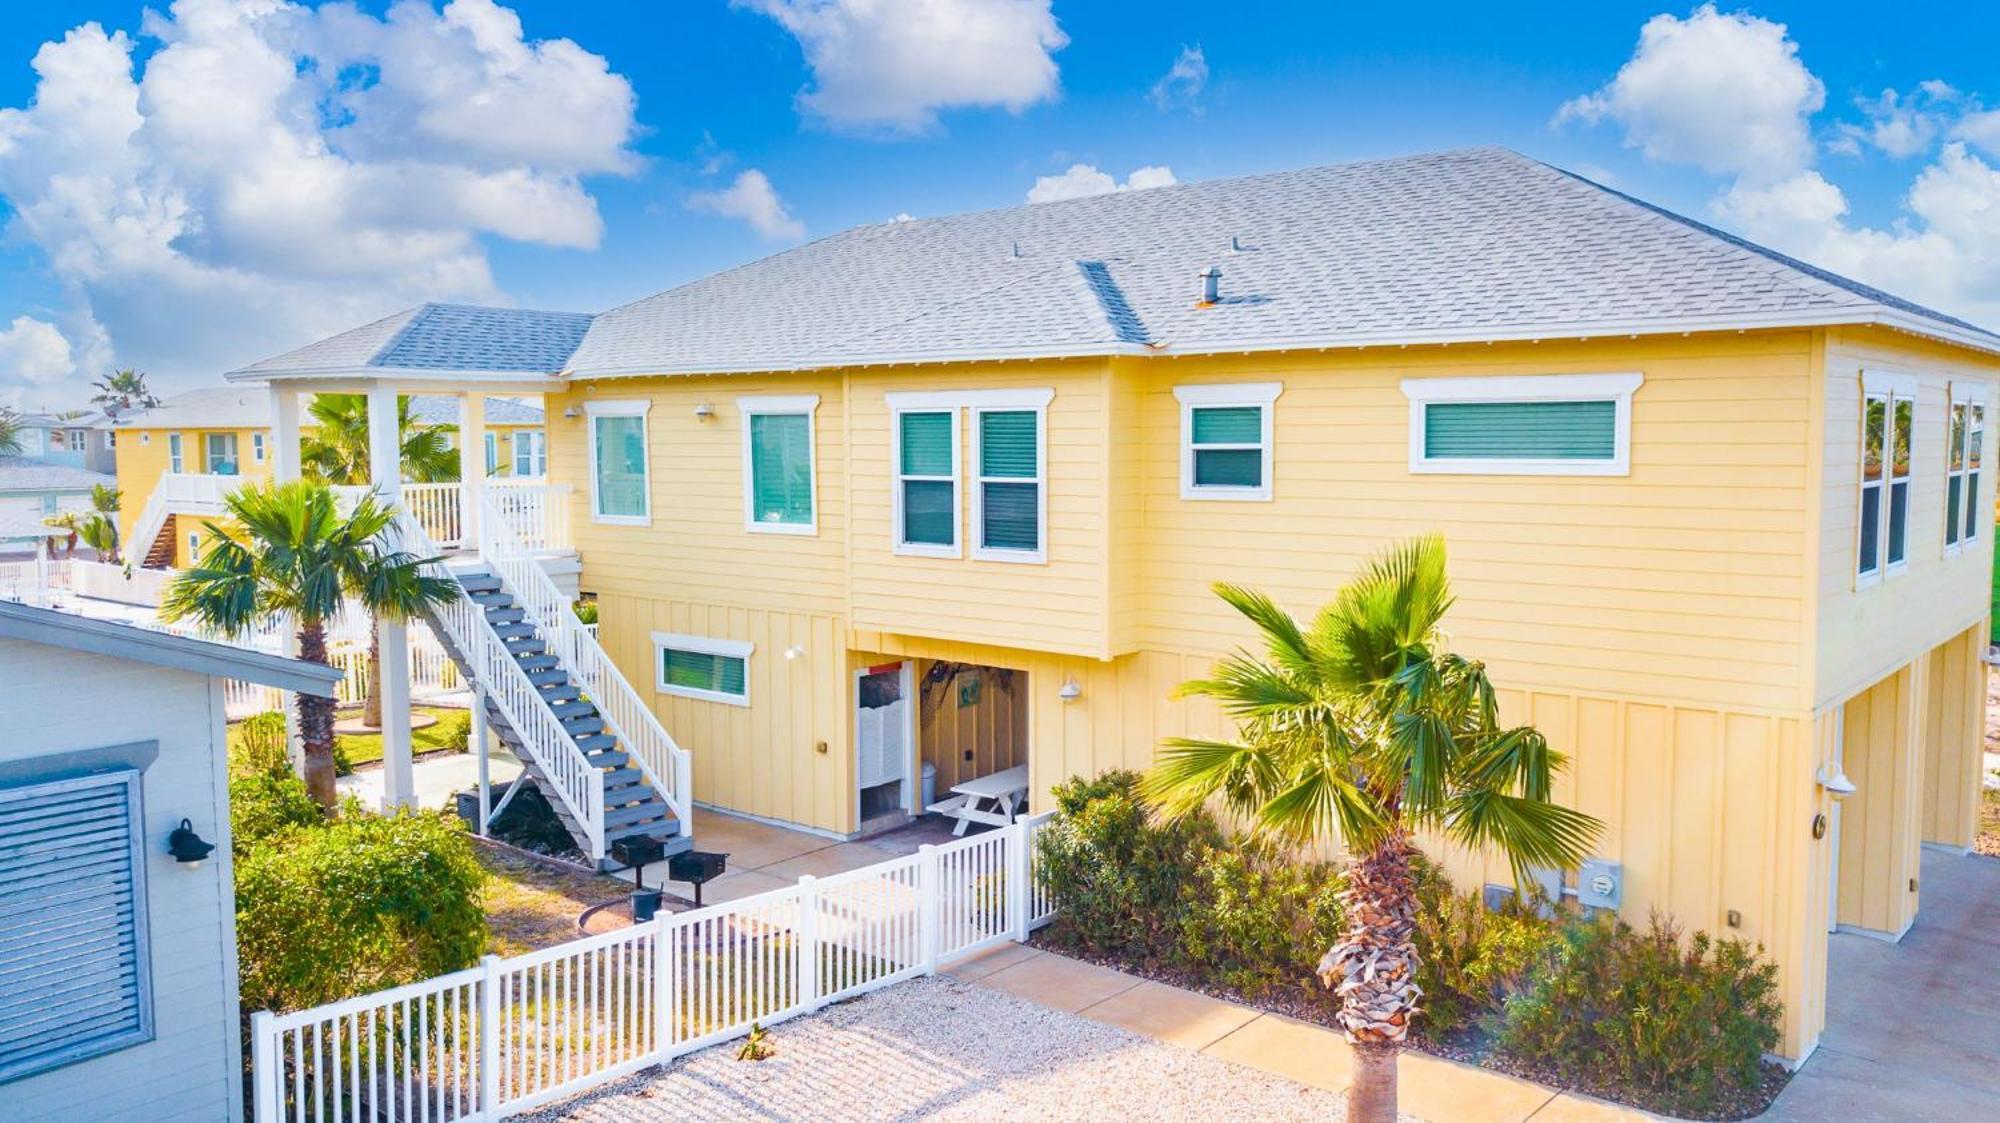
[(164, 649), (238, 407), (25, 474), (438, 338)]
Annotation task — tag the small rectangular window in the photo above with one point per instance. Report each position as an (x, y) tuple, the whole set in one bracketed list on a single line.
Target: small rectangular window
[(75, 976), (1888, 431), (700, 667), (257, 447), (175, 463), (492, 454), (531, 458), (1009, 497), (927, 485), (1556, 424), (1874, 442), (778, 463), (1964, 450), (619, 486), (1226, 441)]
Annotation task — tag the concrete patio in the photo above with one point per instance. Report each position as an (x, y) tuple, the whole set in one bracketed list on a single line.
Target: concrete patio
[(1913, 1028), (764, 856)]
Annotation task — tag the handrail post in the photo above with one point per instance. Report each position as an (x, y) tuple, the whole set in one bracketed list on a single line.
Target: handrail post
[(928, 910), (809, 956), (666, 969), (489, 1037), (264, 1073), (1019, 887), (684, 791)]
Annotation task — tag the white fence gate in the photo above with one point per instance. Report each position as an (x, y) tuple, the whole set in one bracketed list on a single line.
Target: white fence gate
[(511, 1034)]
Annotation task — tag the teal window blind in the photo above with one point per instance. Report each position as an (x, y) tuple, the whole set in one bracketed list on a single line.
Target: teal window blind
[(704, 671), (1227, 443), (621, 466), (1580, 430), (74, 973), (781, 481), (1010, 489), (929, 477)]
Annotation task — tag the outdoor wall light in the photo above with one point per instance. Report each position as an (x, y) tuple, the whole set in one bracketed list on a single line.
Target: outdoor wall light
[(572, 413), (1070, 691), (703, 412), (187, 847), (1834, 779), (796, 651)]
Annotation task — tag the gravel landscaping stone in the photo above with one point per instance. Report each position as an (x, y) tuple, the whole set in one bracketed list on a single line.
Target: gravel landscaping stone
[(936, 1048)]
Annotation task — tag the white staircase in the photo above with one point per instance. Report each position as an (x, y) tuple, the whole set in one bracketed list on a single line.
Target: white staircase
[(178, 494)]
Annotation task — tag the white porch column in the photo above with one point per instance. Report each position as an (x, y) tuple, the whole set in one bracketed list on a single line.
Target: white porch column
[(471, 466), (385, 473), (284, 433), (481, 744)]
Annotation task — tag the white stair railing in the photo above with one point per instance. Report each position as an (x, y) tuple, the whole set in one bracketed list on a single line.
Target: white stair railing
[(436, 506), (578, 783), (667, 766), (177, 493), (537, 512)]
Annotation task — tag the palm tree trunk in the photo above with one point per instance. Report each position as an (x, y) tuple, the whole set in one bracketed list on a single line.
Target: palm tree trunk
[(371, 702), (316, 721), (1373, 969)]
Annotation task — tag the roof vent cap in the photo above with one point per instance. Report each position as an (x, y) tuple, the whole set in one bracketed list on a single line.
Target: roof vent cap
[(1211, 285)]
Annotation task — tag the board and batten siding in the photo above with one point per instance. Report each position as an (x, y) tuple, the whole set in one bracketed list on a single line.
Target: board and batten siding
[(191, 1068), (1955, 743)]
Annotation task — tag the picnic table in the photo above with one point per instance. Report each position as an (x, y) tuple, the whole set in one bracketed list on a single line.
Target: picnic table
[(994, 800)]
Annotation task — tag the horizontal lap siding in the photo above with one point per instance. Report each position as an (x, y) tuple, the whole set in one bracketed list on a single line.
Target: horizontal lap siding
[(1685, 581), (1867, 633)]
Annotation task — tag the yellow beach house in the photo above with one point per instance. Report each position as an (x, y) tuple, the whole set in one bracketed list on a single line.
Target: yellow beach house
[(928, 501), (178, 459)]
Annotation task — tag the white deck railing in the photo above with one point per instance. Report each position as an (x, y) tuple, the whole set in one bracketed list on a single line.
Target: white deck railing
[(574, 780), (177, 493), (512, 1034), (667, 766), (537, 512)]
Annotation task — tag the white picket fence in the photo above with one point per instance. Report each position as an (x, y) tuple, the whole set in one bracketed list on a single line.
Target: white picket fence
[(512, 1034), (432, 672)]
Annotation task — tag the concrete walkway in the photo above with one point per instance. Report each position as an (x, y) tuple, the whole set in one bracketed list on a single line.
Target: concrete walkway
[(435, 779), (763, 857), (1912, 1028), (1430, 1088)]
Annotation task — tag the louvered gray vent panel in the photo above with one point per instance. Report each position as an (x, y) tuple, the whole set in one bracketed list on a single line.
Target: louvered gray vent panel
[(74, 977)]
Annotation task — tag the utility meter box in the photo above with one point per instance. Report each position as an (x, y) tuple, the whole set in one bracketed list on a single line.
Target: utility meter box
[(1600, 883)]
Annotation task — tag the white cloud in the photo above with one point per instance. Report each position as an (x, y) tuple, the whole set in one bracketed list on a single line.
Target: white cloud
[(32, 353), (272, 173), (1183, 82), (752, 199), (891, 65), (1083, 180), (1726, 93)]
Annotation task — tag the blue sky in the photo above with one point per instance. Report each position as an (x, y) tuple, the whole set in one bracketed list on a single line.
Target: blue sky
[(715, 92)]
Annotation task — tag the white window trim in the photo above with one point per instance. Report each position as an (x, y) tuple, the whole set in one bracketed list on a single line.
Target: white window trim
[(1040, 555), (701, 645), (176, 454), (1963, 393), (1891, 385), (629, 407), (953, 402), (1264, 396), (750, 406), (535, 442), (208, 458), (1616, 387)]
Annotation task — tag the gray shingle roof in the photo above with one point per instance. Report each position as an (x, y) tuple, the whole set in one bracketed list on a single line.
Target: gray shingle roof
[(442, 409), (1473, 245), (455, 338), (19, 474)]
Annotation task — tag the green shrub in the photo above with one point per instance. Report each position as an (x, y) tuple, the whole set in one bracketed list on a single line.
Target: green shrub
[(361, 903), (257, 746), (267, 804), (1116, 873), (1471, 959), (1688, 1021), (1254, 919), (453, 731)]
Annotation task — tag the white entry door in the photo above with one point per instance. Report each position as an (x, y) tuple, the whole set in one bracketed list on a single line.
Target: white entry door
[(882, 725)]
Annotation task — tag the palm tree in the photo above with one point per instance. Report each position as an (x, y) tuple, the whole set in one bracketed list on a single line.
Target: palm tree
[(294, 553), (1362, 728), (336, 450), (10, 432), (123, 390), (97, 527)]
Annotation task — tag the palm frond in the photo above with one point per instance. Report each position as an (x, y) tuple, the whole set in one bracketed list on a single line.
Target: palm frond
[(1190, 771), (1283, 637), (1530, 832)]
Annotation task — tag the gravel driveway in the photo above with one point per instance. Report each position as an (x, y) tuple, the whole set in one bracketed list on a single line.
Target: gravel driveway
[(936, 1048)]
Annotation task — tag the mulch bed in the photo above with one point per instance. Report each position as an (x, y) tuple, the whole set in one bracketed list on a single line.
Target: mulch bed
[(1471, 1047)]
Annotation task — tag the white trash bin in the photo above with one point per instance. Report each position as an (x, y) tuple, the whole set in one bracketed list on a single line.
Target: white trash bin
[(929, 784)]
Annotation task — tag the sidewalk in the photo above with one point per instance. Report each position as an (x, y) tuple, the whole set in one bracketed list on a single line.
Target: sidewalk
[(1430, 1088)]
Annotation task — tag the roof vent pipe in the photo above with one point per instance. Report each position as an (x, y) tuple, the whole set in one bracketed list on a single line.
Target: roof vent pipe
[(1236, 243), (1211, 285)]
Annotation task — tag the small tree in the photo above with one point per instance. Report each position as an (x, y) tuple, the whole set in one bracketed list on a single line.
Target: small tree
[(295, 554), (1361, 729), (123, 391), (10, 432)]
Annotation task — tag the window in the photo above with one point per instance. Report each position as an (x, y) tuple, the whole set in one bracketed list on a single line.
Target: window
[(48, 504), (1888, 406), (1550, 424), (927, 487), (1007, 504), (492, 453), (221, 454), (74, 441), (174, 461), (1964, 452), (257, 447), (714, 670), (111, 438), (619, 491), (74, 941), (531, 453), (778, 464), (1226, 440), (194, 548)]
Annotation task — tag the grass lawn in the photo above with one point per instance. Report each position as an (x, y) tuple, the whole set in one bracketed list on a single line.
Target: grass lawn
[(448, 735), (531, 904)]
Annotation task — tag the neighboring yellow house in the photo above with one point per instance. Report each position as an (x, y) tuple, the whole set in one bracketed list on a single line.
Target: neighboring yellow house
[(209, 436), (951, 493)]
